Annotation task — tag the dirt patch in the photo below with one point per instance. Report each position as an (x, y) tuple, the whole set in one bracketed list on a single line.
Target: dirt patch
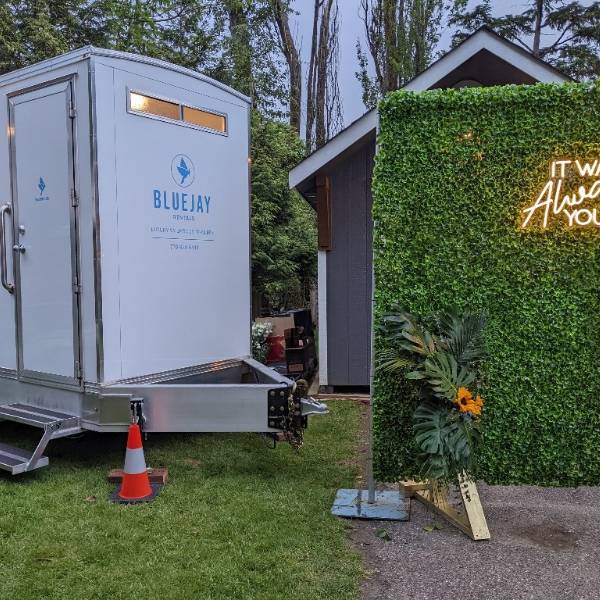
[(550, 536)]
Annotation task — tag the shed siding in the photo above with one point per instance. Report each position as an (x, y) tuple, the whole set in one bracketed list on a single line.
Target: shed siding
[(349, 270)]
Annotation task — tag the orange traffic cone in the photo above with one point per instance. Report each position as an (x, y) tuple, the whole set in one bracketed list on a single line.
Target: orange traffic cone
[(135, 486)]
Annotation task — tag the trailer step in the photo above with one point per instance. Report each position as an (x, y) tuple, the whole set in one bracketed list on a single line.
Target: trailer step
[(55, 425), (16, 460)]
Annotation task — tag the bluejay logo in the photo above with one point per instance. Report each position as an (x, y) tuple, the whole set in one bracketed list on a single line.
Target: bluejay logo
[(183, 170), (41, 186), (183, 173)]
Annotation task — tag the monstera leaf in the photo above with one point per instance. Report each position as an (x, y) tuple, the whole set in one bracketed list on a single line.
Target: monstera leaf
[(431, 427), (442, 362), (445, 375), (446, 441)]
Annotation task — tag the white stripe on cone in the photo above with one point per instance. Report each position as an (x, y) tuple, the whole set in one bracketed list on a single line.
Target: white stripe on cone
[(134, 461)]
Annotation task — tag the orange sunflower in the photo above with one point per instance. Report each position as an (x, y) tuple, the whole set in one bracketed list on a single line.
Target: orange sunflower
[(465, 402)]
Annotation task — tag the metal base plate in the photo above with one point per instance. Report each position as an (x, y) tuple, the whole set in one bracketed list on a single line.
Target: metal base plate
[(389, 505), (114, 497)]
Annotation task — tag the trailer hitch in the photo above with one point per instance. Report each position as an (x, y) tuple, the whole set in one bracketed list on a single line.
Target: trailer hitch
[(289, 409), (136, 405), (310, 406)]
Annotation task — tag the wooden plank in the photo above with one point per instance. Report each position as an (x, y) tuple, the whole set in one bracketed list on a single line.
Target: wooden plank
[(159, 475), (409, 487), (324, 212), (473, 509), (472, 521), (448, 513)]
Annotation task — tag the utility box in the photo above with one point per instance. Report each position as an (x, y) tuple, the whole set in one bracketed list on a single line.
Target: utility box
[(125, 245)]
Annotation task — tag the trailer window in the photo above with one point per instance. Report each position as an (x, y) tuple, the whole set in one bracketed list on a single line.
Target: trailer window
[(153, 106), (176, 111), (203, 118)]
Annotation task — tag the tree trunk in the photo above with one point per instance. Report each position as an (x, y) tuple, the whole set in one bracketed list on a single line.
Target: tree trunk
[(401, 36), (322, 61), (390, 33), (241, 47), (334, 118), (537, 32), (310, 85), (421, 18), (290, 51)]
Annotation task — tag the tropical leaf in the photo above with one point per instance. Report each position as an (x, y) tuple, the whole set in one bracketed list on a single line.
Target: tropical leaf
[(431, 425), (415, 375), (445, 375), (431, 428), (402, 331), (462, 335), (390, 361), (446, 440)]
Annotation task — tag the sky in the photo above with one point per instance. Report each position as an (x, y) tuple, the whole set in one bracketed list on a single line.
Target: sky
[(351, 29)]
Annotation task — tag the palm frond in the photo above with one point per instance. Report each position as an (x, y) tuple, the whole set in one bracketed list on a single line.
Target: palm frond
[(462, 335), (390, 361), (402, 330)]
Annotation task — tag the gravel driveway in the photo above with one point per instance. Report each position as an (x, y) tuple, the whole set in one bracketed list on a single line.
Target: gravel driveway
[(545, 545)]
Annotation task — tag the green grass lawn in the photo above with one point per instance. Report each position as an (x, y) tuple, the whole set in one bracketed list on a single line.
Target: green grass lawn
[(236, 520)]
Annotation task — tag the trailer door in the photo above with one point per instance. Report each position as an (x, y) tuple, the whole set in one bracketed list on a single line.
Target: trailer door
[(43, 185)]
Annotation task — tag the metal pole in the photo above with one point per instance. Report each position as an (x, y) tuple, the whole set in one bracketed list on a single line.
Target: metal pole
[(370, 478)]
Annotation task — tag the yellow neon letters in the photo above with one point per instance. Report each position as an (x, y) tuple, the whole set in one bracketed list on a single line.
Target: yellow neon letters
[(572, 204)]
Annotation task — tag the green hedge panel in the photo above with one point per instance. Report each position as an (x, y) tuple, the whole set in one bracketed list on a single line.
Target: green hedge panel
[(454, 171)]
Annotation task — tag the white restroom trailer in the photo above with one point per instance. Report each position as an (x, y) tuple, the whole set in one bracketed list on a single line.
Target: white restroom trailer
[(125, 255)]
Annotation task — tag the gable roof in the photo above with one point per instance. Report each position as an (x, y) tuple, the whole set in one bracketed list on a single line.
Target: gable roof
[(484, 39)]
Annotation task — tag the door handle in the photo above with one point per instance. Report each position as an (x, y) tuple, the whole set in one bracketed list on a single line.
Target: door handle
[(19, 248), (5, 209)]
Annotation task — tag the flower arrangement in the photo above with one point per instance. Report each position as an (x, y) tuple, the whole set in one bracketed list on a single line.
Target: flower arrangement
[(259, 335), (446, 362)]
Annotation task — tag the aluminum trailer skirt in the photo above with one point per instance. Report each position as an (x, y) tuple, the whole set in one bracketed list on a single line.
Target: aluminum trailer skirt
[(229, 396)]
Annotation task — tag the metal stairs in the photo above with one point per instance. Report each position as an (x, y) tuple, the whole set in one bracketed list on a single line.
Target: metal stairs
[(54, 424)]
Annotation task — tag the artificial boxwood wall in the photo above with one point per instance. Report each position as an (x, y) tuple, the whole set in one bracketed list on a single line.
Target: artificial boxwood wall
[(454, 170)]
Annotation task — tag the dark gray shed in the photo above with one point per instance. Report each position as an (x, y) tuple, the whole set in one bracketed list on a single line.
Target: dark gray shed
[(336, 180)]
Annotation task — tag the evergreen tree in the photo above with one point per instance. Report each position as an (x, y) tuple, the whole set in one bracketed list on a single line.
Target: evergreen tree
[(250, 59), (283, 225), (571, 29), (180, 31)]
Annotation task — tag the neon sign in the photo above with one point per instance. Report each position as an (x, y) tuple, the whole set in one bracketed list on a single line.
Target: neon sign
[(561, 198)]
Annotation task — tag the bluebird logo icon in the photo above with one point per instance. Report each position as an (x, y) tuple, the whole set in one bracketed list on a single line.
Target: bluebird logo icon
[(183, 173), (182, 170), (41, 186)]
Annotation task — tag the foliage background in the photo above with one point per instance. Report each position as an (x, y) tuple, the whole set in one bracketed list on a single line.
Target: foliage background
[(284, 231), (453, 172)]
